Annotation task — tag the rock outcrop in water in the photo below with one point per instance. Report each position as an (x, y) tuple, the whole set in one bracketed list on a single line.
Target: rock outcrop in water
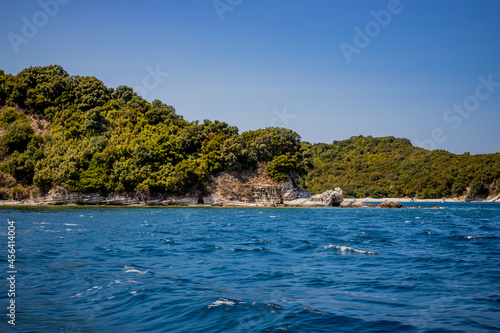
[(250, 188), (360, 204)]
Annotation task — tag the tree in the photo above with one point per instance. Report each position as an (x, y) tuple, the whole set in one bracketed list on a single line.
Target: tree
[(137, 102), (477, 188), (159, 113), (236, 155), (123, 94), (280, 167), (37, 88), (95, 123), (271, 142), (10, 115), (3, 91), (90, 93), (17, 136)]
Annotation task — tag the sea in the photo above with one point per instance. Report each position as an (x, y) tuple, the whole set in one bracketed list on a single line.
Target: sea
[(165, 269)]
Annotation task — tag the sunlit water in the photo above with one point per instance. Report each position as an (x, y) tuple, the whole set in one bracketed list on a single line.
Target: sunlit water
[(101, 269)]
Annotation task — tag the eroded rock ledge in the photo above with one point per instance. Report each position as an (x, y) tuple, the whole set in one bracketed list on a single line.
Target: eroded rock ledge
[(247, 189)]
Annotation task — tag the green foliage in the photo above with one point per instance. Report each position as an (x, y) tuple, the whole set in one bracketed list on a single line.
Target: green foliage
[(17, 136), (95, 123), (280, 167), (391, 167), (123, 94), (272, 141), (109, 140), (90, 93), (10, 115), (236, 154), (3, 90), (478, 188), (159, 113), (37, 88)]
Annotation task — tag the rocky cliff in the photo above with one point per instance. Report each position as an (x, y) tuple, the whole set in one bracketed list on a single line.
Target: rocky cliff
[(253, 188), (258, 189)]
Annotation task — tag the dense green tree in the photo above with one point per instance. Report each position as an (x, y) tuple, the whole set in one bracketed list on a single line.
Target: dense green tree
[(90, 93), (123, 94), (272, 141), (236, 155), (159, 113), (17, 136), (95, 123), (280, 167), (3, 91), (37, 88), (10, 115)]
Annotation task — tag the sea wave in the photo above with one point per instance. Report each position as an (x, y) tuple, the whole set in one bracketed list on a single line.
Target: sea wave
[(343, 249)]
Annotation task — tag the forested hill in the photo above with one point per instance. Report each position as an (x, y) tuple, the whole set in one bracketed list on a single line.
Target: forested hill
[(392, 167), (74, 132)]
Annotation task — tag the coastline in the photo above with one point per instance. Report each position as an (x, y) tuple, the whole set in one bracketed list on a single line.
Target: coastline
[(406, 200), (229, 204)]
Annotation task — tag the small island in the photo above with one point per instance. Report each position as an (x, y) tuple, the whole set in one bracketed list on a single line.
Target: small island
[(72, 140)]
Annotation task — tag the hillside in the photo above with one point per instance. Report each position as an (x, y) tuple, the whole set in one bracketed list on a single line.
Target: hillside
[(392, 167), (74, 133)]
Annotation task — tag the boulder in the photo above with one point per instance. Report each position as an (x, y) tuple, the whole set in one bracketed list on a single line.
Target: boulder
[(359, 204), (329, 198)]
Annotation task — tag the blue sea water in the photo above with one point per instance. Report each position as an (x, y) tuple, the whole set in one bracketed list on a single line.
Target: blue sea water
[(135, 269)]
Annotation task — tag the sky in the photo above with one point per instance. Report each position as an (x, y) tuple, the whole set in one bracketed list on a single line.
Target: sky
[(424, 70)]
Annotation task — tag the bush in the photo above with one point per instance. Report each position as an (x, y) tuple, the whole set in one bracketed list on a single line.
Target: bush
[(280, 167), (17, 136)]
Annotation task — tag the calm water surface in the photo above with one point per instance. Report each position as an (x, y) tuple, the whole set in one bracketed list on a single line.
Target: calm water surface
[(95, 269)]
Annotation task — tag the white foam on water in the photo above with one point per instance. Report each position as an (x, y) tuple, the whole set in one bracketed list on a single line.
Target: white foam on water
[(474, 237), (133, 270), (221, 301), (348, 250), (70, 224)]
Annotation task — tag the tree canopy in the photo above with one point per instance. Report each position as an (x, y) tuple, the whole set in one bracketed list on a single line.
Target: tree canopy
[(392, 167)]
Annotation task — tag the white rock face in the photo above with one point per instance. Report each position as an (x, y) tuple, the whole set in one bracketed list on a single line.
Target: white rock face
[(326, 199), (494, 199), (289, 191)]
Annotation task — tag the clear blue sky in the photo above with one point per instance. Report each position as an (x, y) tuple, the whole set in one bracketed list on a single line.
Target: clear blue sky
[(280, 62)]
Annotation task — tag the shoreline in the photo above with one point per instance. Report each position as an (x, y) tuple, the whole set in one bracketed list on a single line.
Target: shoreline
[(28, 203), (406, 200)]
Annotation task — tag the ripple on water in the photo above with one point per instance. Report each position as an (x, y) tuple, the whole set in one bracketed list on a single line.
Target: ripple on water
[(258, 270)]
